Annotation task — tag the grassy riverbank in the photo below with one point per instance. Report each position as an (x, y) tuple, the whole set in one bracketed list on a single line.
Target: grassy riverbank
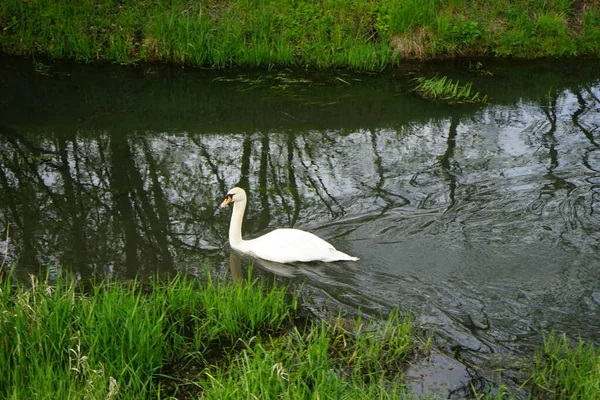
[(184, 339), (359, 34)]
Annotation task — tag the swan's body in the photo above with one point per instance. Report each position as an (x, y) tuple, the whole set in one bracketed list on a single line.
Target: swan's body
[(281, 245)]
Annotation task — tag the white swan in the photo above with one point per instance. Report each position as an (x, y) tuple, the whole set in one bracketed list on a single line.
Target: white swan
[(281, 245)]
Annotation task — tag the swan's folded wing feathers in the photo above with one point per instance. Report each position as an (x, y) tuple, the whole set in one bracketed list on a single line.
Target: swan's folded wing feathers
[(289, 245)]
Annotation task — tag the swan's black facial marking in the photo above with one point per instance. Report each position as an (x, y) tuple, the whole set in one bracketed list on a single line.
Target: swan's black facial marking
[(228, 199)]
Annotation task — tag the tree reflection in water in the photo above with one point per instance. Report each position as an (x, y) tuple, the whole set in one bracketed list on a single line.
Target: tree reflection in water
[(126, 181), (484, 219)]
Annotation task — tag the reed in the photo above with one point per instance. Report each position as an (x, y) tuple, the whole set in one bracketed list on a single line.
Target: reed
[(442, 88)]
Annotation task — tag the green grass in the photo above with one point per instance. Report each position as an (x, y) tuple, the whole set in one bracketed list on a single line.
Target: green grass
[(565, 370), (182, 338), (325, 362), (59, 342), (224, 340), (561, 370), (357, 34), (444, 89)]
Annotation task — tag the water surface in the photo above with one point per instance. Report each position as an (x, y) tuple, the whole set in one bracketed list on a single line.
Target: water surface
[(483, 220)]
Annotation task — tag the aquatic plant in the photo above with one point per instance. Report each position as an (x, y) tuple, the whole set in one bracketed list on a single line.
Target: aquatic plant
[(442, 88)]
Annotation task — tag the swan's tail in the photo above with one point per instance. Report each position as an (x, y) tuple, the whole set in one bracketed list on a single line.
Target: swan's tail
[(339, 256)]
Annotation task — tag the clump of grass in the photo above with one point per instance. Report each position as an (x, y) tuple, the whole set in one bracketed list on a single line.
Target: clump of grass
[(324, 362), (218, 340), (567, 371), (445, 89), (59, 342)]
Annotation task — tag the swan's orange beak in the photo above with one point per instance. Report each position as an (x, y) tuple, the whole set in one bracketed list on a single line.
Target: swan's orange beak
[(227, 200)]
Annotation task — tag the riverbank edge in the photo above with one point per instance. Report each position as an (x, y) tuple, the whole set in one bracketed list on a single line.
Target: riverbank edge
[(189, 337), (362, 35), (219, 339)]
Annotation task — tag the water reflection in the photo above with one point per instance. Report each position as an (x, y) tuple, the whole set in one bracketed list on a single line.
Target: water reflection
[(483, 221)]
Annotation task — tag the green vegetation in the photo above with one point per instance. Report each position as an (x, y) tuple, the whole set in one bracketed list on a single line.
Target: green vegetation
[(325, 362), (239, 340), (58, 342), (180, 338), (567, 371), (447, 90), (358, 34), (561, 370)]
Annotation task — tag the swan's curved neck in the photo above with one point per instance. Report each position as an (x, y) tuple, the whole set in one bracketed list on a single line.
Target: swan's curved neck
[(235, 227)]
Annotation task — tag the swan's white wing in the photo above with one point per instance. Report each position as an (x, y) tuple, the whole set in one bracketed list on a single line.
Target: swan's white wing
[(290, 245)]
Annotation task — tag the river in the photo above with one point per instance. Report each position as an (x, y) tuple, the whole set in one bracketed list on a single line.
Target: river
[(482, 220)]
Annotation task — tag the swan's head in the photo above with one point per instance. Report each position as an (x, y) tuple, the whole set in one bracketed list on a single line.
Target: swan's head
[(235, 194)]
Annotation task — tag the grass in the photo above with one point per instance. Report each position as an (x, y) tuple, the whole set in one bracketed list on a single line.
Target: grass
[(223, 340), (59, 342), (180, 338), (565, 370), (358, 34), (444, 89), (561, 370), (326, 362)]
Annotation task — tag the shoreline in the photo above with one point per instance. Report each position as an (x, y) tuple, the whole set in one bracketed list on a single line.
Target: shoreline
[(184, 338), (363, 35)]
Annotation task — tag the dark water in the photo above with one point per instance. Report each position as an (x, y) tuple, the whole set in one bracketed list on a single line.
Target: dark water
[(485, 221)]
